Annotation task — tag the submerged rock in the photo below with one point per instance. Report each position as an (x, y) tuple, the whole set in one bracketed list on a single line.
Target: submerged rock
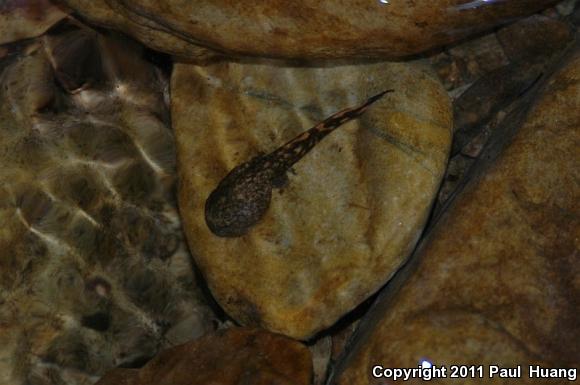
[(25, 19), (94, 272), (475, 107), (534, 38), (230, 357), (353, 208), (302, 29), (112, 15), (496, 281)]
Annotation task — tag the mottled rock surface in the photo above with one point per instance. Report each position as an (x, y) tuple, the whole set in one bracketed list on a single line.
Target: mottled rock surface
[(233, 356), (354, 206), (464, 63), (480, 103), (496, 281), (488, 78), (534, 38), (302, 29), (109, 14), (94, 272), (24, 19)]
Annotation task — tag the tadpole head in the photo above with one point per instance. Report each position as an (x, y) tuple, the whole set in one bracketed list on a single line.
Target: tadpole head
[(233, 208)]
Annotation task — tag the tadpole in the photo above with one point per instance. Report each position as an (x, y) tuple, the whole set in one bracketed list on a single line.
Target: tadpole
[(243, 196)]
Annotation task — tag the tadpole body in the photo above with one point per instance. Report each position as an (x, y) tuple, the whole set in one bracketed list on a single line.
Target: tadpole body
[(243, 196)]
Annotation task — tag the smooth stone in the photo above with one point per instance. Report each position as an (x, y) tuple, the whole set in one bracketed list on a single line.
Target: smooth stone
[(25, 19), (305, 28), (354, 206), (94, 269), (233, 356), (106, 13), (496, 281)]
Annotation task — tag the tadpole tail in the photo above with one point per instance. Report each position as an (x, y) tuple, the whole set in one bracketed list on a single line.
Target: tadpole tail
[(339, 118), (295, 149), (373, 99)]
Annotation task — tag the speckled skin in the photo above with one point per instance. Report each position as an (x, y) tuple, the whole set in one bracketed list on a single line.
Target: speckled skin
[(242, 198)]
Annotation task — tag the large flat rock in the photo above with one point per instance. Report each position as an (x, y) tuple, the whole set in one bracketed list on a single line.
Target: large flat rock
[(304, 28), (109, 15), (496, 281), (354, 206), (94, 270)]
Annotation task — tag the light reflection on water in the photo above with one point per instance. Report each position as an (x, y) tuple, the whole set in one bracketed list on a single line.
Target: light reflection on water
[(477, 4), (465, 6), (425, 364)]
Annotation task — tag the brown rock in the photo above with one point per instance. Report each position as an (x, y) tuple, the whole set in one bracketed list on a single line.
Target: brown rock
[(230, 357), (305, 28), (534, 38), (496, 281), (120, 377), (349, 215), (25, 19), (475, 107), (464, 63), (94, 271), (477, 57), (105, 13)]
